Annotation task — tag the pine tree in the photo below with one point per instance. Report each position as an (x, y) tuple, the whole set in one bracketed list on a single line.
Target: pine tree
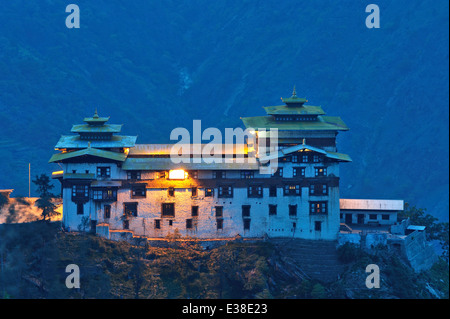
[(45, 201)]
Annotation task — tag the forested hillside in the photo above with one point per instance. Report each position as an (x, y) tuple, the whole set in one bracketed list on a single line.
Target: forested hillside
[(153, 66)]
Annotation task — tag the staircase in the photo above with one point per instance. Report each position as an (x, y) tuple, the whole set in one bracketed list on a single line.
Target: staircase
[(318, 259)]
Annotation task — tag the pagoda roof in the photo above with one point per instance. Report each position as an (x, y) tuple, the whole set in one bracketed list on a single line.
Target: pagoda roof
[(301, 147), (286, 110), (96, 120), (90, 151), (323, 123), (74, 141), (86, 128)]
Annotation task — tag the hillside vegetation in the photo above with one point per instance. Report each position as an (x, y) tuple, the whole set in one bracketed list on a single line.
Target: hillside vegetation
[(35, 256), (141, 61)]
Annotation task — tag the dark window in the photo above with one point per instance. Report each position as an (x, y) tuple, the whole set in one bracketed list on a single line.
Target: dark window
[(285, 159), (126, 224), (225, 191), (320, 171), (385, 216), (219, 174), (194, 192), (189, 223), (373, 216), (255, 191), (162, 174), (106, 194), (170, 222), (247, 224), (292, 190), (80, 209), (219, 211), (157, 223), (245, 210), (294, 158), (317, 159), (138, 191), (272, 210), (299, 172), (168, 210), (193, 174), (219, 223), (171, 191), (134, 175), (292, 210), (130, 209), (305, 158), (273, 191), (104, 171), (209, 192), (194, 211), (294, 225), (247, 174), (278, 172), (107, 210), (80, 192), (318, 208), (317, 226), (318, 189)]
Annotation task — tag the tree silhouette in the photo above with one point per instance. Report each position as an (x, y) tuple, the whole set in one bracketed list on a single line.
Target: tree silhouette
[(45, 201)]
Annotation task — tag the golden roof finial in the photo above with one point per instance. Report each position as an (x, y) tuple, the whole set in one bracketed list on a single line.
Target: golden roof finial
[(95, 114), (294, 94)]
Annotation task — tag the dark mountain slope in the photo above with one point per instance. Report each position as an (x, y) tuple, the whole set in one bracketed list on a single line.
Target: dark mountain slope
[(155, 66)]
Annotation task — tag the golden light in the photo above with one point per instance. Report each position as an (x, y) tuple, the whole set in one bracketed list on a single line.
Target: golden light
[(126, 150), (58, 173), (177, 174)]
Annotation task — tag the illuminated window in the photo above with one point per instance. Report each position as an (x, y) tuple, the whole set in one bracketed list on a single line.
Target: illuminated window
[(318, 189), (171, 191), (247, 174), (105, 194), (209, 192), (194, 191), (162, 174), (292, 190), (318, 208), (320, 171), (278, 172)]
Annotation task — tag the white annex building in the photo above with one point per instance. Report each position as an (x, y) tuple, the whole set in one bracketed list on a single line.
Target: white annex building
[(113, 185)]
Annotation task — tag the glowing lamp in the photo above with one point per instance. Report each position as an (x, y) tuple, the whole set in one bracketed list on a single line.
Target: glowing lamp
[(177, 174)]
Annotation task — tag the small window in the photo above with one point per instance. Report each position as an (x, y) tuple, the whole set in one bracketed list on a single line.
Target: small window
[(299, 172), (272, 210), (171, 191), (193, 174), (80, 209), (219, 174), (245, 210), (189, 223), (138, 191), (373, 216), (292, 210), (254, 191), (194, 192), (168, 210), (320, 171), (318, 226), (247, 224), (292, 190), (209, 192), (305, 158), (318, 208), (225, 191), (294, 158), (194, 211), (80, 192), (247, 174), (385, 216), (134, 175), (219, 223), (316, 158), (107, 211), (157, 223), (278, 172), (162, 174), (130, 209), (273, 191), (318, 189), (104, 171), (219, 211), (170, 222)]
